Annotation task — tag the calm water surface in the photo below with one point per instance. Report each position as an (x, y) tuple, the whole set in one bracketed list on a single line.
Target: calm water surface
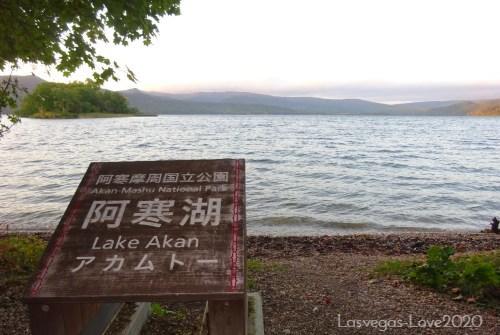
[(305, 174)]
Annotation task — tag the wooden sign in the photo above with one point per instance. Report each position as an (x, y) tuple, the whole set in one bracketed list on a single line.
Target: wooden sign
[(149, 231)]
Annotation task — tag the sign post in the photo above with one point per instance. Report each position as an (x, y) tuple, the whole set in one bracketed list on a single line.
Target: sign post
[(146, 231)]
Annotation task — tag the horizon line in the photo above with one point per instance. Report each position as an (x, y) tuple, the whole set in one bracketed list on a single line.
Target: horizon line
[(384, 93)]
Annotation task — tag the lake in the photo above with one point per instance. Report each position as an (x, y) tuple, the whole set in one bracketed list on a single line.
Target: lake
[(306, 175)]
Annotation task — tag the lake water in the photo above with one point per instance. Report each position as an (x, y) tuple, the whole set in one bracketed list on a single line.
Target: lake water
[(305, 174)]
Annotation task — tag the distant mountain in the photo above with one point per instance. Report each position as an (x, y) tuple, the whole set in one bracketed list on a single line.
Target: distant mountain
[(457, 109), (436, 108), (252, 103), (249, 103), (165, 104), (303, 105), (26, 82), (486, 108), (427, 105)]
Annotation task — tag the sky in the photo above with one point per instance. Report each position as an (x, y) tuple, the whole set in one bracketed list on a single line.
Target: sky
[(384, 50)]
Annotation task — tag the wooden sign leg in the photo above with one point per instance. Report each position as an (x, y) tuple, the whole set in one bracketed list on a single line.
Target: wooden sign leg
[(71, 318), (46, 319), (227, 317)]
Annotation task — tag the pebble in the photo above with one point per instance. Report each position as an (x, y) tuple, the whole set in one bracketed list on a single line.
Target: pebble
[(410, 243)]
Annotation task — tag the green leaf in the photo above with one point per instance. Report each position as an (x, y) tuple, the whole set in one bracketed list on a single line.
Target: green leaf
[(63, 34)]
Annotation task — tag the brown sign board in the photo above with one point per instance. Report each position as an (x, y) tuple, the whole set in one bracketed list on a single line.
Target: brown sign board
[(146, 231)]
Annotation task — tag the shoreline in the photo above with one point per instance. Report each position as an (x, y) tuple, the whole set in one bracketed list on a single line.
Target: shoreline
[(380, 243), (86, 116), (369, 244), (340, 232)]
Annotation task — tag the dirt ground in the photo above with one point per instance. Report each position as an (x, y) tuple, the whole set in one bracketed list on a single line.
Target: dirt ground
[(326, 294), (325, 285)]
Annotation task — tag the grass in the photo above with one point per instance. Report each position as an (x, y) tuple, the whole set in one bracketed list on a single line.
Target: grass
[(476, 276), (256, 266), (160, 310), (393, 268), (19, 256)]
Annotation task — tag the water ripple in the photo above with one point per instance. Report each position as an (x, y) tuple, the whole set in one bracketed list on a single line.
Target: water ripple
[(305, 174)]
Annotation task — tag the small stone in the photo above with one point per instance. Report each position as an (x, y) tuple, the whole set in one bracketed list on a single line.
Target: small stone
[(373, 281), (458, 297), (417, 244), (471, 300), (315, 309)]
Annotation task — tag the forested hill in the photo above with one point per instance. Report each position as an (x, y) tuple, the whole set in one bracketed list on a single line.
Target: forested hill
[(75, 100)]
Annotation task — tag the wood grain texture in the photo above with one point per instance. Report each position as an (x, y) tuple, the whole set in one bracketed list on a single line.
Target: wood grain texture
[(191, 262), (227, 317)]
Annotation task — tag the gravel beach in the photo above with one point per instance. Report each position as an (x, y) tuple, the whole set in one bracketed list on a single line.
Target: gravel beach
[(322, 285)]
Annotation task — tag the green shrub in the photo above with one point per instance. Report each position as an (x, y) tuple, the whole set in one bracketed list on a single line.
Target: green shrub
[(478, 274), (20, 254), (438, 271), (474, 275)]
